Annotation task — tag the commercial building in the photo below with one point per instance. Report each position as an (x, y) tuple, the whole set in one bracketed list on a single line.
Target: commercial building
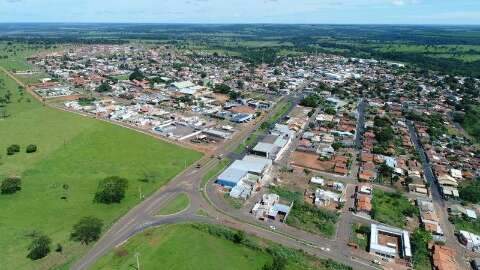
[(243, 176), (390, 242)]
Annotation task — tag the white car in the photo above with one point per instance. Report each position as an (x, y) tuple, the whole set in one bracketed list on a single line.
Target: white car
[(273, 228)]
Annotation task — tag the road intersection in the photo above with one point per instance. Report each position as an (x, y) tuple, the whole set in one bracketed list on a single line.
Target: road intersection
[(204, 209)]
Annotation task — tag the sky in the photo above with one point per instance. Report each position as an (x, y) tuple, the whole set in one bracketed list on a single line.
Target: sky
[(244, 11)]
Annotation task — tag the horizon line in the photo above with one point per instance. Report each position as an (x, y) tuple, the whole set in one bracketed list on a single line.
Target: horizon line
[(246, 23)]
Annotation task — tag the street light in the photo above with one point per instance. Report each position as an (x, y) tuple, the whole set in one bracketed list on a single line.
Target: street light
[(137, 256)]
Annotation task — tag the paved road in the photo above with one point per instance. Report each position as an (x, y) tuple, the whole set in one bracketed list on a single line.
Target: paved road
[(189, 182), (360, 123), (439, 203), (143, 216)]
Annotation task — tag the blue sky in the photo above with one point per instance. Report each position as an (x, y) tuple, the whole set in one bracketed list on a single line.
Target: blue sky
[(244, 11)]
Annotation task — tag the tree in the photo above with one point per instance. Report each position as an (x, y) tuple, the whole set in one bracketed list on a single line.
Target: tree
[(279, 263), (12, 149), (87, 230), (111, 190), (104, 87), (470, 191), (238, 237), (136, 75), (222, 88), (40, 246), (11, 185), (337, 145), (312, 100), (31, 148)]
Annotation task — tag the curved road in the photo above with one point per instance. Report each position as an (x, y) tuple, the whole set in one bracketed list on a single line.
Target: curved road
[(143, 216)]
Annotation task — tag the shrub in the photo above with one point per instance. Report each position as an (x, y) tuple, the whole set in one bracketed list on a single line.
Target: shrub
[(31, 148), (12, 149), (11, 185), (111, 190), (40, 247), (87, 230)]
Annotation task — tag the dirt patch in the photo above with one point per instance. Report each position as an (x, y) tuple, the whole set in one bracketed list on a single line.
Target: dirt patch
[(120, 252), (311, 161)]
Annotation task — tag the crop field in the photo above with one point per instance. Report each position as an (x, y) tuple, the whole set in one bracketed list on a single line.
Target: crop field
[(60, 179)]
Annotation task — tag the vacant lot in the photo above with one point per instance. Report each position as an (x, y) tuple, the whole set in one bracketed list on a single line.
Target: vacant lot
[(60, 179), (204, 247), (392, 208), (305, 216), (466, 224), (183, 247)]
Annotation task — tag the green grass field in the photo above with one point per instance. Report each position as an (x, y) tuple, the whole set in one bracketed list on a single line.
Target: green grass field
[(391, 208), (76, 151), (182, 247), (175, 205), (204, 247)]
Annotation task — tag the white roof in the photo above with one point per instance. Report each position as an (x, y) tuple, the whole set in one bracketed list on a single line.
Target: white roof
[(403, 234), (265, 147), (252, 164), (317, 180), (182, 85)]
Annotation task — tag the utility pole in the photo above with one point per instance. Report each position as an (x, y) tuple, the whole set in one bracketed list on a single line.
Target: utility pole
[(137, 255), (140, 192)]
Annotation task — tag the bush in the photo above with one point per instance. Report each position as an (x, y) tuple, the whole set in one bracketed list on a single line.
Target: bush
[(136, 75), (87, 230), (31, 148), (59, 248), (11, 185), (104, 87), (12, 149), (470, 191), (111, 190), (40, 247)]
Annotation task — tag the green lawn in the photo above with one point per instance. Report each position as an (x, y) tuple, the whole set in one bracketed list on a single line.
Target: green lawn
[(391, 208), (204, 247), (360, 234), (247, 143), (175, 205), (76, 151), (182, 247), (281, 109), (466, 224)]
